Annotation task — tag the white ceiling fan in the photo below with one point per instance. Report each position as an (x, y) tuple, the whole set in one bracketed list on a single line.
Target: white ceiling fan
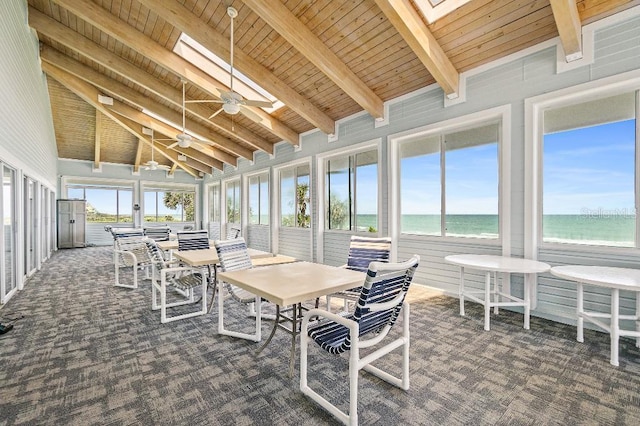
[(233, 102), (153, 164), (183, 139)]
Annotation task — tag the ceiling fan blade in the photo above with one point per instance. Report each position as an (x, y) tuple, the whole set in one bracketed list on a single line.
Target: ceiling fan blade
[(216, 113), (172, 145), (261, 104), (250, 114)]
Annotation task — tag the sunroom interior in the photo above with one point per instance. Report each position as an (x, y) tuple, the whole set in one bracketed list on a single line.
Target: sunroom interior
[(477, 127)]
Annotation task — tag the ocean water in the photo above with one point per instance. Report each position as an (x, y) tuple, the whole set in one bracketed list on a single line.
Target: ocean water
[(601, 229)]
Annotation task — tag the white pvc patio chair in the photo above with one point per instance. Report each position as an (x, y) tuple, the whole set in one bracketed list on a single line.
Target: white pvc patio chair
[(234, 256), (183, 279), (381, 300), (362, 251), (130, 253)]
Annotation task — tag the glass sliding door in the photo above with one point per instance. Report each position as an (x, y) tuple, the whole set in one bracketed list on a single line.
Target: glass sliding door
[(8, 281), (30, 226)]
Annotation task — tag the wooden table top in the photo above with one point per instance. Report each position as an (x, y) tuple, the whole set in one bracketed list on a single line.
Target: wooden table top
[(291, 283), (210, 256)]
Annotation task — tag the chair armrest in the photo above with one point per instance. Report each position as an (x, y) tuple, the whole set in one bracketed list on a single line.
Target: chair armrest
[(166, 271), (328, 315)]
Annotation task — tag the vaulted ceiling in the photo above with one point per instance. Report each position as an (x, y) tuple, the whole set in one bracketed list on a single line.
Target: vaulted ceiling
[(112, 70)]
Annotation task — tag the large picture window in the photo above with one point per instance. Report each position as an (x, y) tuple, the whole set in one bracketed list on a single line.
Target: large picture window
[(589, 172), (295, 198), (259, 199), (351, 197), (214, 203), (110, 204), (164, 205), (233, 202), (449, 183)]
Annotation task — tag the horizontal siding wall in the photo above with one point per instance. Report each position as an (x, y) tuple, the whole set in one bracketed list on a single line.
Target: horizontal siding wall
[(258, 237), (295, 242), (507, 83), (27, 137)]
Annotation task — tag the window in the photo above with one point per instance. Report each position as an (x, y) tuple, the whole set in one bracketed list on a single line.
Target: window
[(589, 172), (352, 192), (449, 183), (214, 203), (259, 199), (233, 201), (164, 205), (295, 199), (106, 203)]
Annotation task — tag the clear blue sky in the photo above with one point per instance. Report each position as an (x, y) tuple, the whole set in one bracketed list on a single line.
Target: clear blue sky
[(590, 169)]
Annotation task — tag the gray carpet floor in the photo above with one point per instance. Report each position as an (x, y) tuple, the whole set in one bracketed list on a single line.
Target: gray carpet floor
[(89, 353)]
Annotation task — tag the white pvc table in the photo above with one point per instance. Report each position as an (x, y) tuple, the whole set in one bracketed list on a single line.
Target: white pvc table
[(494, 264), (604, 276)]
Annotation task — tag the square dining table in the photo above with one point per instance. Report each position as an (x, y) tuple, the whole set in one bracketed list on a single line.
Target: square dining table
[(209, 258), (290, 284)]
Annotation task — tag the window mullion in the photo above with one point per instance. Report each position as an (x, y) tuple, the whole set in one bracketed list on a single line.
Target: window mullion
[(637, 166), (443, 187)]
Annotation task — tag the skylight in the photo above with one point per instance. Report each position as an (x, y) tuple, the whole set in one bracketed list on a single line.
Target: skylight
[(219, 70), (436, 9)]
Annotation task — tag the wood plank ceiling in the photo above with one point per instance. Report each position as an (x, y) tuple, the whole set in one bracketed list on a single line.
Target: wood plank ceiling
[(325, 59)]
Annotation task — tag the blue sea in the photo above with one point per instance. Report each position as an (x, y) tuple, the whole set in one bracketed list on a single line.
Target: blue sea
[(613, 230)]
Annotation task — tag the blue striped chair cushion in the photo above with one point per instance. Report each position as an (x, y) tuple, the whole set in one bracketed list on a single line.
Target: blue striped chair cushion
[(234, 256), (193, 240), (157, 233), (378, 288), (364, 250)]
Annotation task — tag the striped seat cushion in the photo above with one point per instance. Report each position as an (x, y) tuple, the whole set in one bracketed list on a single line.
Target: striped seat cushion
[(193, 240)]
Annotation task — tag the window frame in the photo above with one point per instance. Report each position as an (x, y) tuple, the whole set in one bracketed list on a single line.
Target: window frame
[(170, 187), (321, 170), (535, 108), (223, 197), (293, 167), (501, 114), (67, 181), (263, 176)]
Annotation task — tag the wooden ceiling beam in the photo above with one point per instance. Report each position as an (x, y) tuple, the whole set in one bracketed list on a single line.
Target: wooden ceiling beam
[(138, 160), (280, 18), (64, 35), (89, 94), (190, 23), (413, 30), (117, 89), (162, 128), (565, 13), (131, 37)]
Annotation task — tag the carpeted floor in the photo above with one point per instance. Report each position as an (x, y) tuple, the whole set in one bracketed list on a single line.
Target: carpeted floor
[(89, 353)]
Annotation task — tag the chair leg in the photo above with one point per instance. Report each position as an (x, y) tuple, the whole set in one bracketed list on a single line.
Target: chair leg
[(256, 337)]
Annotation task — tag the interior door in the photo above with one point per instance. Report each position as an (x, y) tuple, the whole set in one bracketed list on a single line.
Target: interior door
[(8, 281)]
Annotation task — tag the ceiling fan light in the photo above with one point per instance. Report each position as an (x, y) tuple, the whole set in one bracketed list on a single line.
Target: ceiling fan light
[(184, 140), (231, 108)]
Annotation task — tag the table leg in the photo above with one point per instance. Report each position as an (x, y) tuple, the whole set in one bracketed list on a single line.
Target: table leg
[(527, 304), (461, 293), (215, 285), (615, 325), (487, 300), (580, 312), (297, 309), (273, 330)]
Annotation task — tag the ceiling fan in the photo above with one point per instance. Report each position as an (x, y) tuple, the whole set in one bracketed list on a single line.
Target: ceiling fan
[(152, 164), (183, 139), (233, 102)]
